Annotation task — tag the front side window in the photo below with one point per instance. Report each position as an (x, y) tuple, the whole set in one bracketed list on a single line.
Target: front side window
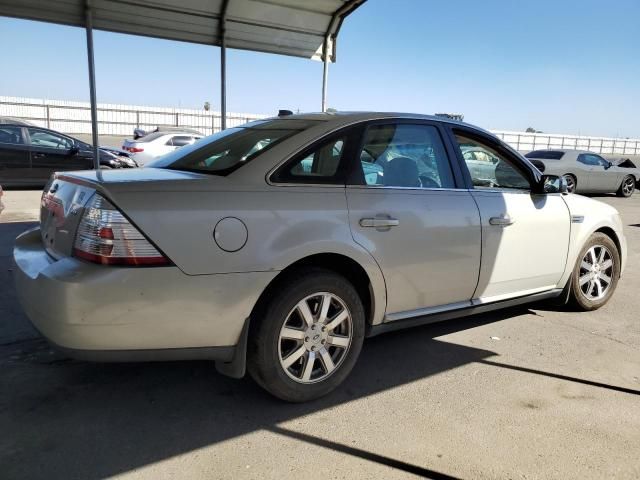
[(405, 155), (489, 168), (41, 138), (11, 135), (592, 160), (597, 160)]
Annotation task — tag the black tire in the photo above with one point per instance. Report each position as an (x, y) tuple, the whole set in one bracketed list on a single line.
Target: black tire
[(627, 187), (572, 182), (263, 355), (577, 297)]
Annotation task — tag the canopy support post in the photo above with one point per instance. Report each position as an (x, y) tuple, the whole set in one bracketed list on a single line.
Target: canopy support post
[(325, 73), (92, 83), (223, 65)]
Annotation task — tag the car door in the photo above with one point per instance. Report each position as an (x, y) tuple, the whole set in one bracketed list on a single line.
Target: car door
[(407, 210), (53, 152), (15, 162), (525, 236), (602, 176)]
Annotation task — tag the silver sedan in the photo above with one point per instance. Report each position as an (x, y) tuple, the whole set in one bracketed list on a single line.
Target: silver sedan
[(587, 172), (278, 246)]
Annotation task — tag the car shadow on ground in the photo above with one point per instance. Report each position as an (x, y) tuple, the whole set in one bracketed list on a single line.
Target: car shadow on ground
[(71, 419)]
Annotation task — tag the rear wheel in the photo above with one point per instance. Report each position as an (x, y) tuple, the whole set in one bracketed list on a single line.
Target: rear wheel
[(308, 336), (595, 276), (571, 182), (627, 187)]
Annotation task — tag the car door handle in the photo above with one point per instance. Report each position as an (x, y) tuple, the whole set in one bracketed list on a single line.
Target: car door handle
[(38, 155), (379, 222), (502, 221)]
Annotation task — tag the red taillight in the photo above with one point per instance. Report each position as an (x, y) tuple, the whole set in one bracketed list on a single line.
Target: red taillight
[(105, 236), (136, 149)]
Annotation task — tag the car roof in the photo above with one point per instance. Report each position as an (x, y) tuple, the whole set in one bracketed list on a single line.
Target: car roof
[(15, 121), (345, 118), (563, 150)]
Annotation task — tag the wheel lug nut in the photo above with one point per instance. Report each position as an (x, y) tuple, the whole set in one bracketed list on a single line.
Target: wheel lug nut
[(313, 348), (306, 339), (323, 341)]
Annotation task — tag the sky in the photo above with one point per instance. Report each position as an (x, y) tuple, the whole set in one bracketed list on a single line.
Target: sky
[(560, 66)]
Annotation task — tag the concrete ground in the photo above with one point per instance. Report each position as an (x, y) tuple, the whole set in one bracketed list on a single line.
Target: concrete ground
[(525, 393)]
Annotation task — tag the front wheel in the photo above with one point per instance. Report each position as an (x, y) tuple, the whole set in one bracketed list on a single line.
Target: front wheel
[(307, 338), (627, 187), (595, 276)]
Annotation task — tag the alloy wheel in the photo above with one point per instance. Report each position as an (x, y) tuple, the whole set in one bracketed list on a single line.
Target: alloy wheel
[(315, 337), (596, 272), (628, 185)]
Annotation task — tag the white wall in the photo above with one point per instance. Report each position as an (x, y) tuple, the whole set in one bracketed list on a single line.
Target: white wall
[(75, 117)]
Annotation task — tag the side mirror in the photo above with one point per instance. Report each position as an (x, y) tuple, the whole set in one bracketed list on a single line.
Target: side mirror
[(553, 184), (74, 151), (609, 165)]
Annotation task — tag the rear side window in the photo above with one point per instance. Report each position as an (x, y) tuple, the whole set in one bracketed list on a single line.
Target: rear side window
[(405, 155), (11, 135), (180, 141), (320, 165), (545, 154)]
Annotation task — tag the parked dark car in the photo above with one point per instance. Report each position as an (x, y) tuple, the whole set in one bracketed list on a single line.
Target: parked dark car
[(30, 154)]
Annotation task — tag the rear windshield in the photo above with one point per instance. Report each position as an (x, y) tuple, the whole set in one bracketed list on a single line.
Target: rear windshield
[(224, 152), (545, 154), (151, 136)]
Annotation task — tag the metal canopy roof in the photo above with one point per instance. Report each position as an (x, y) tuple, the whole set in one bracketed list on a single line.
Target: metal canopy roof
[(288, 27)]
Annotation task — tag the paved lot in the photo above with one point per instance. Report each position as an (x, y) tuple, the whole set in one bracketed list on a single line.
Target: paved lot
[(526, 393)]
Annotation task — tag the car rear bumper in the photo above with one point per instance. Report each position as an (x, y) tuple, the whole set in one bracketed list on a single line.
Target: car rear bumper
[(121, 313)]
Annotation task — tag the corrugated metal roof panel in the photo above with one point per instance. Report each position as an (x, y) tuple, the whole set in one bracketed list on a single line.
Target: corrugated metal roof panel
[(286, 27)]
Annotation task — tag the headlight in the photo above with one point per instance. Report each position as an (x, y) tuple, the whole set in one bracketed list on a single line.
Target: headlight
[(127, 161)]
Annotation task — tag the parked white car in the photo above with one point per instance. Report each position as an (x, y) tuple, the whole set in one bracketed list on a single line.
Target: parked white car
[(279, 245), (156, 144)]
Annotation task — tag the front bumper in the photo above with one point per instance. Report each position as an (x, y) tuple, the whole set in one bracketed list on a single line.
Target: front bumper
[(120, 311)]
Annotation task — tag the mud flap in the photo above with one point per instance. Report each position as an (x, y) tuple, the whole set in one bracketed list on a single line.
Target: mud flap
[(237, 367)]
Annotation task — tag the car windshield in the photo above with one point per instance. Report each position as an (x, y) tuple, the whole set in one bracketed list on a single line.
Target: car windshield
[(225, 151)]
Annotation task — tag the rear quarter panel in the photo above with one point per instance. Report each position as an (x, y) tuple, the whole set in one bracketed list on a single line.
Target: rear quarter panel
[(284, 225)]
